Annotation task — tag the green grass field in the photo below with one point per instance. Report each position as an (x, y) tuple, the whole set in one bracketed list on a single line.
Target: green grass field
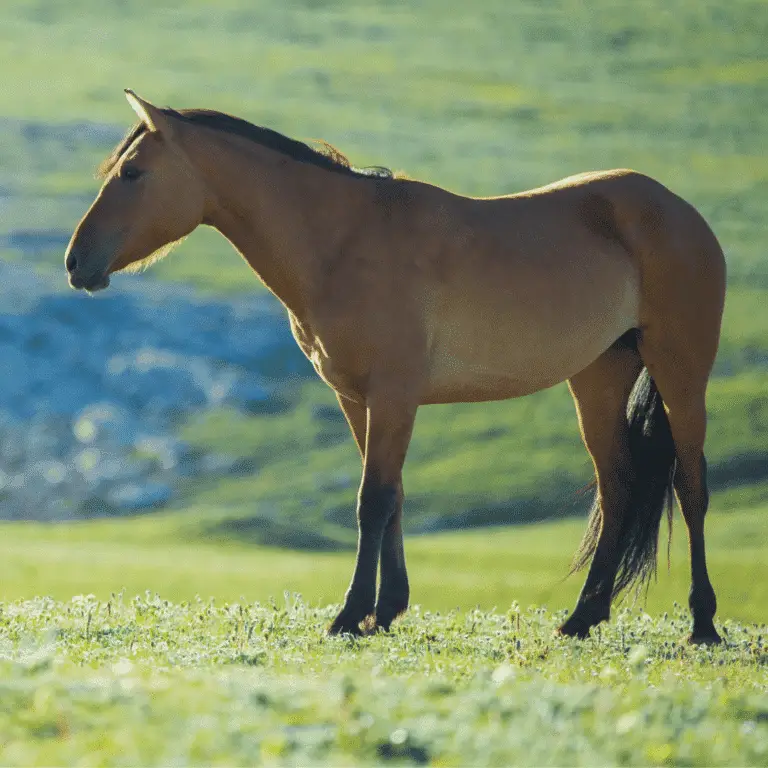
[(147, 681), (485, 98), (175, 555)]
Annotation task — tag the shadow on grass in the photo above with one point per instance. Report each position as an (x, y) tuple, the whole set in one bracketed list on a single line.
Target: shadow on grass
[(739, 469), (432, 513), (274, 533), (463, 512)]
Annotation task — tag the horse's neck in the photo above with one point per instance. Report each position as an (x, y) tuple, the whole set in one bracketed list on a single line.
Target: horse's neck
[(285, 218)]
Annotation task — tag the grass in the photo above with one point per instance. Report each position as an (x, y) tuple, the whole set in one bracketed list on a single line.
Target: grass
[(146, 681), (176, 555)]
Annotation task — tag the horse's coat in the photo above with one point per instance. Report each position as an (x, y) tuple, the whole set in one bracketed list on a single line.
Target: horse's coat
[(403, 294)]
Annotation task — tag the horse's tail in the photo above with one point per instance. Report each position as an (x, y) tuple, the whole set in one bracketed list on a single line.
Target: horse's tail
[(652, 456)]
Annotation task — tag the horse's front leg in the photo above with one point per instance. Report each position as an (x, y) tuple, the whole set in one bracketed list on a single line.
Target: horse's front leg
[(391, 414), (393, 588)]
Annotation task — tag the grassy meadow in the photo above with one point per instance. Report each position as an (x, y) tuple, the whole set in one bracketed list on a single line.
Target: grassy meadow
[(185, 555), (149, 681), (485, 98)]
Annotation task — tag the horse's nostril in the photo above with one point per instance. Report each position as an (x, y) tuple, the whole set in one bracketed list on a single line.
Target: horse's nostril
[(71, 262)]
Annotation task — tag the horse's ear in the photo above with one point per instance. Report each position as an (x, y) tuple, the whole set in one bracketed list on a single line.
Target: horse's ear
[(155, 119)]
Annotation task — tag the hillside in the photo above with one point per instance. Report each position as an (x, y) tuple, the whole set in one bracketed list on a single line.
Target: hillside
[(484, 98)]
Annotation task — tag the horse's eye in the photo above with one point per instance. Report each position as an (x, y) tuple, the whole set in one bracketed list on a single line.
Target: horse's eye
[(129, 173)]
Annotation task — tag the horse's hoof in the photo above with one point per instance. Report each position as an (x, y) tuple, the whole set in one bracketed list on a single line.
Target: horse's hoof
[(573, 629), (345, 626), (380, 626), (576, 626), (709, 637), (386, 614), (350, 630)]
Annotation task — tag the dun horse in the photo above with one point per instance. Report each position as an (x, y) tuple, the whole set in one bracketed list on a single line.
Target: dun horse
[(403, 294)]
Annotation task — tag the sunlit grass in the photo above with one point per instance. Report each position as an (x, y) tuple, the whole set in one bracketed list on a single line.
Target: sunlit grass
[(146, 681)]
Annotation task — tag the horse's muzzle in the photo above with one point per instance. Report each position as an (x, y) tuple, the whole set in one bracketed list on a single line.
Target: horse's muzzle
[(89, 283)]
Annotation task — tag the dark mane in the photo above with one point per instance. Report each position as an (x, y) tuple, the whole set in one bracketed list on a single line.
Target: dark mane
[(327, 157)]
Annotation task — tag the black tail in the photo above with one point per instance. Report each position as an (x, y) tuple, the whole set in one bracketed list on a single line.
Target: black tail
[(652, 453)]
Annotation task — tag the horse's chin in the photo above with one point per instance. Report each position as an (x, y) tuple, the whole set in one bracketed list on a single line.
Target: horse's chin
[(98, 286)]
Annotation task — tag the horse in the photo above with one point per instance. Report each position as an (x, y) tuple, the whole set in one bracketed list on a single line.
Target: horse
[(403, 294)]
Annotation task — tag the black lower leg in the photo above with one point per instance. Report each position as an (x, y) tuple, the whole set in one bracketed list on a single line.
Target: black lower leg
[(394, 589), (694, 500), (594, 603), (375, 508), (702, 600)]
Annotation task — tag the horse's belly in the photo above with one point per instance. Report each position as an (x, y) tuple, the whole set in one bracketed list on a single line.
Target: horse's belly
[(487, 351), (455, 378)]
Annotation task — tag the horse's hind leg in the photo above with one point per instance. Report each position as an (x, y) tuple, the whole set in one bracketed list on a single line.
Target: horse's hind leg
[(600, 393), (681, 375), (692, 494), (683, 276)]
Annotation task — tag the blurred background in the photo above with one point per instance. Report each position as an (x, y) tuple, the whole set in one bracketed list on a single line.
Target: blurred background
[(168, 435)]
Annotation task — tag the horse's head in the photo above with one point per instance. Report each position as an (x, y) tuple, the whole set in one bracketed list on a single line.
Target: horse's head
[(152, 196)]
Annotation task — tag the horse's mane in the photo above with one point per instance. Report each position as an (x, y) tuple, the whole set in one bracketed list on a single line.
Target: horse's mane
[(327, 156)]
